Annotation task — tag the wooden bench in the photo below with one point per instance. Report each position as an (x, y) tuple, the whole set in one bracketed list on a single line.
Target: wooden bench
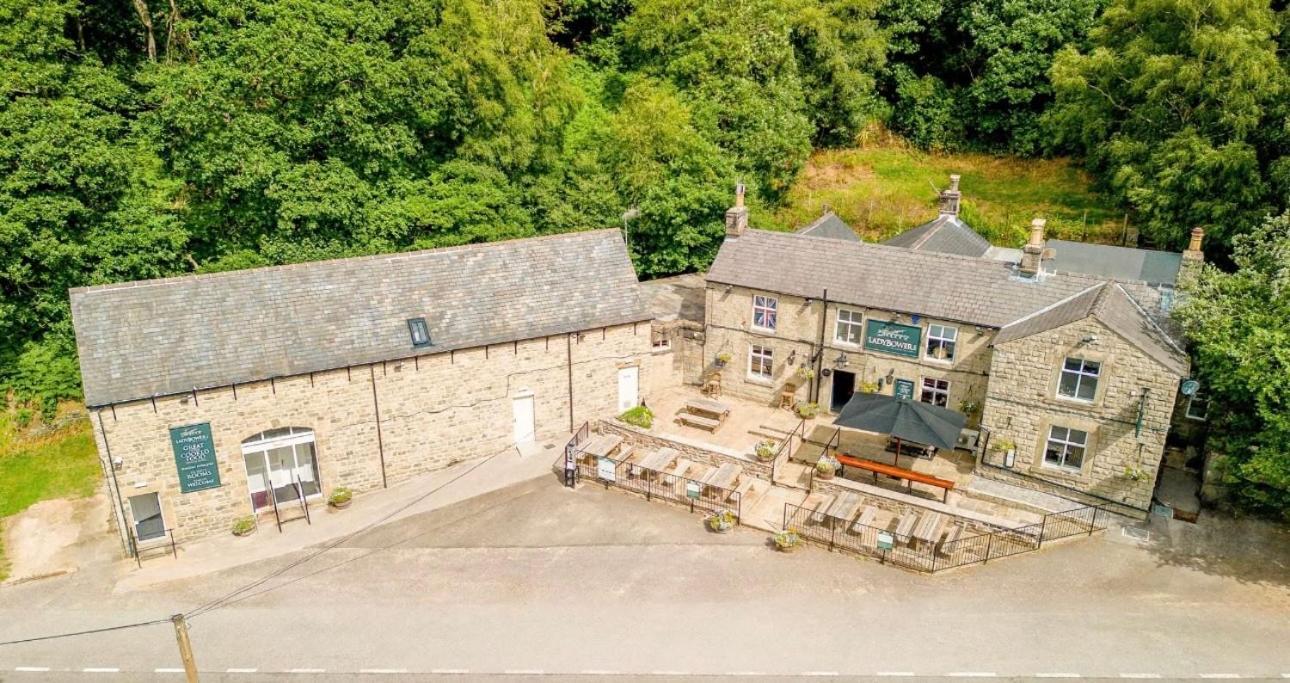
[(909, 476), (744, 487), (905, 528), (699, 421), (865, 519), (950, 536)]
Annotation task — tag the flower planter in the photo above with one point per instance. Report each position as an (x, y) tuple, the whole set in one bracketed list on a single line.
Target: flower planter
[(340, 506)]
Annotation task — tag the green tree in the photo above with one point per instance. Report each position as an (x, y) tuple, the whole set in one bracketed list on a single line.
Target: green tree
[(1239, 326), (1168, 106)]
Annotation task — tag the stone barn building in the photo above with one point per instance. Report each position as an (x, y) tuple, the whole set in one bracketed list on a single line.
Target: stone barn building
[(216, 396)]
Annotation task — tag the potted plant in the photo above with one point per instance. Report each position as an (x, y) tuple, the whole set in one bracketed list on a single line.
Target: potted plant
[(340, 498), (969, 407), (807, 410), (723, 358), (766, 449), (787, 541), (868, 387), (1134, 473), (805, 374), (826, 467), (720, 522), (244, 526), (639, 416)]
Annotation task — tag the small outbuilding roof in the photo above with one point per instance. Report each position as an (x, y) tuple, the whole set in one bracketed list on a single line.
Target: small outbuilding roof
[(832, 227), (1116, 263), (158, 337), (948, 234)]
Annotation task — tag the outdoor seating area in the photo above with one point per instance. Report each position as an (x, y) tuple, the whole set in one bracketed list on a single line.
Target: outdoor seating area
[(703, 413)]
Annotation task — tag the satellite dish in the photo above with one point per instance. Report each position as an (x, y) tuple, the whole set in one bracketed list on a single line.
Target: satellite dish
[(1189, 387)]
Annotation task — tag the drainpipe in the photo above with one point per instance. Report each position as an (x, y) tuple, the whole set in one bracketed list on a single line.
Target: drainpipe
[(380, 441), (116, 487), (819, 358), (568, 355)]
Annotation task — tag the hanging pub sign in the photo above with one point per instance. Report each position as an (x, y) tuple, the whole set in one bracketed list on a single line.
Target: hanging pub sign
[(893, 338), (195, 457), (904, 388)]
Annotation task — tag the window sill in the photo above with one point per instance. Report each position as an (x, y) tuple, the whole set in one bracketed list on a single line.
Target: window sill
[(762, 330), (947, 362), (758, 379), (660, 349), (1072, 401)]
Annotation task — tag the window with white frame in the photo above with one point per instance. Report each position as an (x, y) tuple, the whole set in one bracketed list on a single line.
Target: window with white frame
[(849, 327), (765, 312), (1079, 379), (940, 342), (935, 392), (759, 361), (1065, 448), (659, 339), (1198, 406)]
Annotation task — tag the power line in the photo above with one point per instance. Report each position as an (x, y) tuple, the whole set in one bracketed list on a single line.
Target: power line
[(84, 633), (228, 597)]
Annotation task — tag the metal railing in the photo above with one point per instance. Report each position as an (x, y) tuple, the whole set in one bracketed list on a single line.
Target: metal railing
[(568, 456), (655, 484), (168, 543), (837, 533), (786, 448)]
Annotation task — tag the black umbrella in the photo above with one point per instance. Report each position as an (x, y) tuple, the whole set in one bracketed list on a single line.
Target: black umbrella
[(904, 419)]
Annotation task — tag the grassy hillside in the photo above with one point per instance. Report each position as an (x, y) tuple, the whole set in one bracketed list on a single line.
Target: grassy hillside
[(886, 187), (43, 462)]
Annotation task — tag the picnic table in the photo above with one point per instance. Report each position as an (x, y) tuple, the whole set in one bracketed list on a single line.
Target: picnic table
[(658, 460), (601, 445), (906, 526), (724, 477), (930, 526), (704, 413), (845, 506)]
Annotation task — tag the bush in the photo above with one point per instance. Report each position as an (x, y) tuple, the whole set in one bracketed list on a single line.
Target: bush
[(806, 410), (640, 416), (340, 495), (243, 525), (721, 521), (766, 449), (827, 466), (787, 540), (45, 372)]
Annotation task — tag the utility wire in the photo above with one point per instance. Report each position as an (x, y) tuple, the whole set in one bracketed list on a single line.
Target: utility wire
[(84, 633), (221, 601)]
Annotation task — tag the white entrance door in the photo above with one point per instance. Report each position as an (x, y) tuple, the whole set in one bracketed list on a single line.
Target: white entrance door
[(628, 388), (522, 408)]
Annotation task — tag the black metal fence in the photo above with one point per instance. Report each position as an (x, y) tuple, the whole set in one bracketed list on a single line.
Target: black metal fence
[(654, 484), (163, 543), (568, 463), (837, 533)]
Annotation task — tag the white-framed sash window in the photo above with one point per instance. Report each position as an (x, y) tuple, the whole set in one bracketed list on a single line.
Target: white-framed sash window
[(1065, 448), (760, 362), (1079, 379), (765, 312), (935, 392), (941, 340), (849, 329)]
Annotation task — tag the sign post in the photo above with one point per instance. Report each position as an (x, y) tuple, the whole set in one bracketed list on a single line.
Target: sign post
[(195, 457), (892, 338)]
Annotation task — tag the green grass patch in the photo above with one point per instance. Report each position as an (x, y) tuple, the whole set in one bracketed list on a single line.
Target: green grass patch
[(882, 189), (38, 463)]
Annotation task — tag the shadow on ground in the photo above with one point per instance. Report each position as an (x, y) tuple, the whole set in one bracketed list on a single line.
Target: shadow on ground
[(1246, 549)]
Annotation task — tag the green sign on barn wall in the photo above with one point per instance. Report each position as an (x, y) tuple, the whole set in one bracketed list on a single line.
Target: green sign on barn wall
[(195, 457), (893, 338)]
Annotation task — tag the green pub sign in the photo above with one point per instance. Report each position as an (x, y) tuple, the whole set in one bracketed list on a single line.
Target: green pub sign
[(904, 388), (893, 338), (195, 457)]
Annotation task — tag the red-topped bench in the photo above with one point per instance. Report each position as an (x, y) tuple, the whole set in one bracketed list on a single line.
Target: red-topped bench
[(909, 476)]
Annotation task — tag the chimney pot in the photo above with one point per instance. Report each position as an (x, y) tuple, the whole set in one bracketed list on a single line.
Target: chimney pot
[(737, 215), (954, 182), (1037, 231), (950, 197), (739, 194), (1197, 235), (1032, 255)]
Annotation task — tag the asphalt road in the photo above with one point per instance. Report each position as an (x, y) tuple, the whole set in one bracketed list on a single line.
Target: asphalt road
[(539, 582)]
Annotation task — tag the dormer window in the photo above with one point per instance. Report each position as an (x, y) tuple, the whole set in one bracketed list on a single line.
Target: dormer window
[(420, 331)]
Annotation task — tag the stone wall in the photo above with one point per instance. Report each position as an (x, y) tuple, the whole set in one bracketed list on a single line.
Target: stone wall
[(797, 336), (1023, 404), (434, 410), (702, 453)]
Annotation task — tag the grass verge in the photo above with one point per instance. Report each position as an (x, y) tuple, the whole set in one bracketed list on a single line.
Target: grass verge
[(883, 188), (42, 463)]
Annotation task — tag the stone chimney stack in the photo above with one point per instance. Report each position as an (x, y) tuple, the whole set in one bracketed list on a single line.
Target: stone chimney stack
[(1192, 257), (950, 198), (737, 215), (1032, 255)]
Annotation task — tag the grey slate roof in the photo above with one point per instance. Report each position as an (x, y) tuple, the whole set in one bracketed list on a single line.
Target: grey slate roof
[(159, 337), (947, 234), (946, 286), (1111, 304), (829, 225), (1117, 263)]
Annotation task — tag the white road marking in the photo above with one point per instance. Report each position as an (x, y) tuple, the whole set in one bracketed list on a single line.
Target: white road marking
[(239, 671), (895, 673), (101, 670), (306, 671), (168, 671), (1139, 675), (819, 673), (1220, 675), (32, 669), (382, 671), (972, 674), (1056, 675), (450, 671), (746, 673)]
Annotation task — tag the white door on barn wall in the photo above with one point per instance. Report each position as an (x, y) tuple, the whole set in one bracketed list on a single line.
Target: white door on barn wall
[(628, 388), (522, 409)]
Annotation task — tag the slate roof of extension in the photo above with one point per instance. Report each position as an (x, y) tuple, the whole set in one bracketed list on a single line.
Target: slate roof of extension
[(1118, 263), (829, 225), (944, 286), (159, 337), (1110, 303), (947, 235)]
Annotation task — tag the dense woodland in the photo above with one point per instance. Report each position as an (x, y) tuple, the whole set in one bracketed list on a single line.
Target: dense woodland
[(143, 138)]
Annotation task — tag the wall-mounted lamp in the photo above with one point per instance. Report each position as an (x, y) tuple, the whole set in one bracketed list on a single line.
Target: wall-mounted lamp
[(880, 382), (792, 357), (841, 360)]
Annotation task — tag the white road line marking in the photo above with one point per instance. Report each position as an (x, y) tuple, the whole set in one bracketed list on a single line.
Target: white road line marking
[(1139, 675), (101, 670), (239, 671), (895, 673), (32, 669), (306, 671), (165, 670), (382, 671), (972, 674), (819, 673), (1220, 675), (1056, 675), (746, 673), (450, 671)]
